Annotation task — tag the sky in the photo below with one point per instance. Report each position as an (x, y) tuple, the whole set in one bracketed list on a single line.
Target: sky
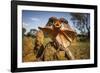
[(34, 19)]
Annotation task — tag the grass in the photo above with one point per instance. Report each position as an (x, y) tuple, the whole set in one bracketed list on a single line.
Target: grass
[(81, 50)]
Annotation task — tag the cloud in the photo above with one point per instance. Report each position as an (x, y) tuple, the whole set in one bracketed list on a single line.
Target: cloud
[(35, 19), (25, 25)]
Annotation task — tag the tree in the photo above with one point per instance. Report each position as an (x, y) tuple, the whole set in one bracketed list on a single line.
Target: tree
[(32, 32), (23, 31), (82, 22)]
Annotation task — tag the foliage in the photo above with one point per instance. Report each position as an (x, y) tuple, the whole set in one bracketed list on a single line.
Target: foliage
[(32, 33), (81, 22), (23, 31)]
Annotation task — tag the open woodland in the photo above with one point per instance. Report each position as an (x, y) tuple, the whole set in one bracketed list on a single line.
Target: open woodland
[(57, 40)]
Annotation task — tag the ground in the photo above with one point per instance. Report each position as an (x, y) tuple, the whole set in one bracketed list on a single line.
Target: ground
[(80, 50)]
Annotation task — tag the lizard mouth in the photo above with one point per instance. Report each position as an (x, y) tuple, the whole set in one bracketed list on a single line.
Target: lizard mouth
[(57, 25)]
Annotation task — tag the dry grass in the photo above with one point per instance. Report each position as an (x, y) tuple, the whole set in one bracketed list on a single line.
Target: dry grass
[(81, 50), (28, 49)]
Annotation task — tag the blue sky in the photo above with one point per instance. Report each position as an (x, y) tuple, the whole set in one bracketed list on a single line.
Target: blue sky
[(33, 19)]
